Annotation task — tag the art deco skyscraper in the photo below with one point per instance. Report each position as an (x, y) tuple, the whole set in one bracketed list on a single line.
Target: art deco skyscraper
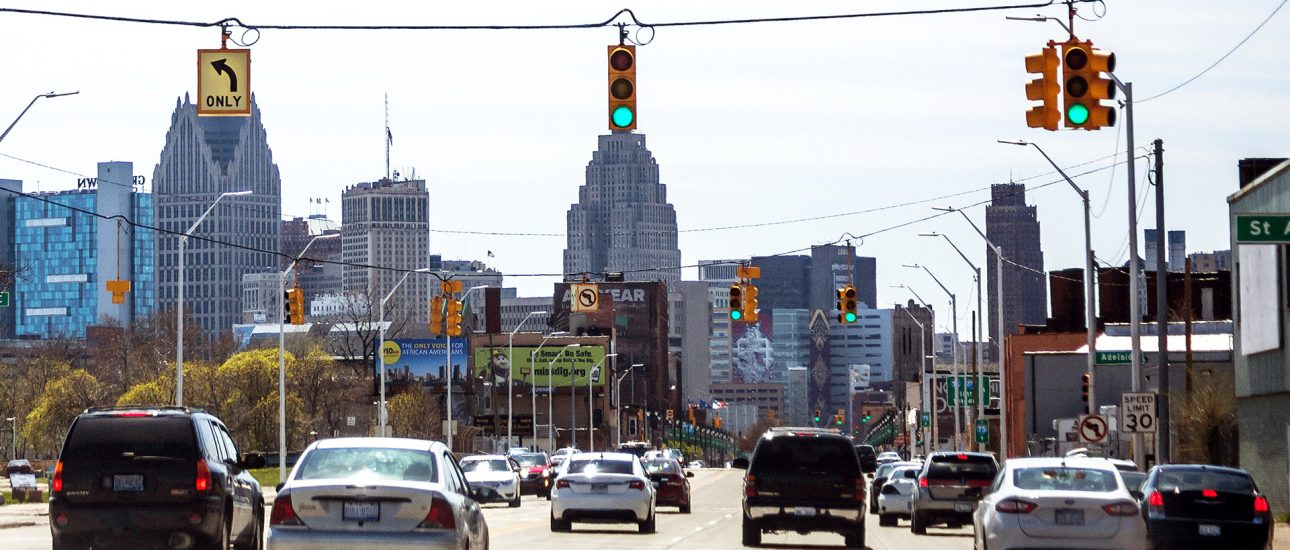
[(1014, 227), (622, 221), (203, 158)]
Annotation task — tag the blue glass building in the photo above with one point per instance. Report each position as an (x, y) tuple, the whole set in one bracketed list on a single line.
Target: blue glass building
[(65, 255)]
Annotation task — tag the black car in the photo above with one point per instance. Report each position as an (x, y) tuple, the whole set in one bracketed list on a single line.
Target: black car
[(1186, 505), (868, 458), (803, 480), (154, 476)]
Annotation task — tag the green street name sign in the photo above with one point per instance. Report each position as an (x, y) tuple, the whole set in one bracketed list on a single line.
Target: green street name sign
[(1263, 228), (4, 299), (1113, 358)]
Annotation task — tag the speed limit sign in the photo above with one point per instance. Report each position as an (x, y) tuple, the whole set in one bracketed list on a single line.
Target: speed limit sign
[(1138, 412)]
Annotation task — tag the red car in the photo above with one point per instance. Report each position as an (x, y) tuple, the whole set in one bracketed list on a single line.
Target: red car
[(535, 473), (671, 482)]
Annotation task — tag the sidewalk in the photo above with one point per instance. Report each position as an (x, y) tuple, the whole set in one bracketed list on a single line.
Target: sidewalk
[(1281, 537)]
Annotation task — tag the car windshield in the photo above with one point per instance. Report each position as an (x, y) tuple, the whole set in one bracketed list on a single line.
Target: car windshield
[(961, 466), (1133, 480), (367, 464), (534, 459), (904, 472), (485, 465), (662, 467), (1184, 480), (598, 466), (821, 455), (1065, 479)]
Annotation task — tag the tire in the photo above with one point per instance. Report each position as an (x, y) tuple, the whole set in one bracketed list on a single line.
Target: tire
[(873, 506), (685, 508), (954, 525), (648, 526), (855, 539), (220, 543), (515, 503), (917, 525), (257, 533), (69, 543), (887, 520), (560, 525), (752, 533)]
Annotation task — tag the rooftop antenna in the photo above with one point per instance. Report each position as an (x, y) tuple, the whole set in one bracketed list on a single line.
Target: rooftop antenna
[(389, 138)]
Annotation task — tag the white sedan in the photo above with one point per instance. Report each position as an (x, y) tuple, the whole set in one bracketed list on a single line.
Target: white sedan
[(896, 498), (494, 477), (1059, 503), (376, 492), (603, 488)]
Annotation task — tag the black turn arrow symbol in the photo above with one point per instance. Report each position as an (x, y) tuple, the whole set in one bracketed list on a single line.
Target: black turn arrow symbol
[(221, 67)]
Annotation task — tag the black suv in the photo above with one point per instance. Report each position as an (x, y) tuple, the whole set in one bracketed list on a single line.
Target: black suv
[(154, 476), (803, 479)]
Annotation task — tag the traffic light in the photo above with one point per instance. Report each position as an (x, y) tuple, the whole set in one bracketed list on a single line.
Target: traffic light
[(436, 316), (1087, 379), (294, 300), (838, 419), (847, 313), (452, 317), (1045, 89), (1085, 87), (817, 416), (622, 87), (736, 302), (750, 303)]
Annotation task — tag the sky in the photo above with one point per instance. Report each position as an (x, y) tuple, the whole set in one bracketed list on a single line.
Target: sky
[(750, 124)]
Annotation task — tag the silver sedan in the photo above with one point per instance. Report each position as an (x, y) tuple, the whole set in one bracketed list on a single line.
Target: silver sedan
[(376, 493)]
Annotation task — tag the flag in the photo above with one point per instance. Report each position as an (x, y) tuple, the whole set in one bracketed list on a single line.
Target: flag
[(718, 404), (490, 253)]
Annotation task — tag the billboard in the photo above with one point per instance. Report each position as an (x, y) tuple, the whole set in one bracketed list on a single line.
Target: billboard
[(423, 360), (752, 357), (568, 366)]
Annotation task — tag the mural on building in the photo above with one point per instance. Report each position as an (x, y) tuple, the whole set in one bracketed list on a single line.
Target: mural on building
[(752, 354)]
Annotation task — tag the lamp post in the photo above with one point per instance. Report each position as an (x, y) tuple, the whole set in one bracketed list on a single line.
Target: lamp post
[(978, 326), (13, 451), (179, 312), (282, 359), (380, 349), (510, 374), (928, 395), (573, 409), (33, 102), (1089, 314), (550, 409), (618, 400), (449, 370), (533, 385), (954, 313)]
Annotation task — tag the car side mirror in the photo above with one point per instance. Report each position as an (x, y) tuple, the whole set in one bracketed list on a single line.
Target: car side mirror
[(278, 488), (1137, 495), (741, 463), (251, 461), (475, 493), (689, 474)]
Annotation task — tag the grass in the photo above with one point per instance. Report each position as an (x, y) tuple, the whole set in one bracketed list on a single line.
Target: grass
[(1283, 517), (268, 477)]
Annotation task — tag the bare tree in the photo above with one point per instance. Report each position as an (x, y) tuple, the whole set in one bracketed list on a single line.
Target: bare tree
[(359, 320)]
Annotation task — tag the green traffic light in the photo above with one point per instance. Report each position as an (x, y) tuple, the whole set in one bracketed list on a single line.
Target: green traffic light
[(851, 317), (623, 116), (736, 314), (1077, 114)]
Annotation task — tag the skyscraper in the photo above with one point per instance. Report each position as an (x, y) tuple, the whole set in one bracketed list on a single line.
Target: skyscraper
[(204, 157), (1014, 228), (384, 223), (622, 221), (830, 271), (784, 282)]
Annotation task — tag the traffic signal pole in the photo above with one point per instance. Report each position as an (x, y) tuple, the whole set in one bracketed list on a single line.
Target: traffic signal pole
[(1162, 311), (1135, 269)]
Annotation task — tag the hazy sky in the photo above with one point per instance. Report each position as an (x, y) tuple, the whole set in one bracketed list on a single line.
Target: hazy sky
[(749, 123)]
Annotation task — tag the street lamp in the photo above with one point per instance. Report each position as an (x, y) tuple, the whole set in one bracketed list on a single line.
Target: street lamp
[(533, 384), (380, 348), (510, 374), (573, 409), (179, 313), (448, 368), (618, 400), (929, 399), (954, 314), (977, 340), (282, 345), (33, 102), (13, 451), (550, 410)]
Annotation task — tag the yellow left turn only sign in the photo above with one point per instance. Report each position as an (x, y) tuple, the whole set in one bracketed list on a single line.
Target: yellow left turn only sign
[(224, 82)]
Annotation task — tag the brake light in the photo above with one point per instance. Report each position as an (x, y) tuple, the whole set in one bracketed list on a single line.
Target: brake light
[(922, 482), (57, 484), (1209, 493), (562, 484), (1015, 506), (962, 456), (440, 516), (1261, 505), (132, 414), (750, 486), (1156, 500), (860, 489), (1121, 509), (203, 481), (283, 513), (638, 485)]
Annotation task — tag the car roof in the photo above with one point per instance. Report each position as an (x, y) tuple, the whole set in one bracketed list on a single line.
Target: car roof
[(627, 457), (150, 410), (378, 443), (1199, 468), (1058, 462), (473, 458)]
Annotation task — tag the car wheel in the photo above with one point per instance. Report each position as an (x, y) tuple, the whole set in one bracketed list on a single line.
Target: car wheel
[(873, 506), (648, 525), (855, 539), (560, 525), (69, 543), (954, 525), (886, 520), (917, 525), (222, 538), (515, 503), (685, 509), (752, 533)]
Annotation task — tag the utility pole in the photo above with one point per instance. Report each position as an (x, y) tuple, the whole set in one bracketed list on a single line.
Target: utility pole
[(1162, 311)]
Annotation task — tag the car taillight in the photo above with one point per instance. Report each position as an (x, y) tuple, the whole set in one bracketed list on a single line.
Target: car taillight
[(57, 484), (638, 485), (562, 484), (860, 488), (750, 486), (962, 456), (283, 513), (440, 516), (1209, 493), (1156, 500), (1261, 505), (203, 481), (1121, 509), (922, 482), (1015, 506)]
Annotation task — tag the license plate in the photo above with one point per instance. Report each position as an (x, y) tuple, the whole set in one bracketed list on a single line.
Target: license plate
[(127, 483), (600, 487), (361, 511), (1070, 517), (963, 507), (1211, 530), (804, 511)]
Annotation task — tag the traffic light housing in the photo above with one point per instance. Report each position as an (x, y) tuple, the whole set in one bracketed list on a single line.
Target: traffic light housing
[(1044, 89), (452, 318), (1086, 379), (436, 316), (1085, 87), (750, 303), (838, 419), (736, 302), (817, 416), (847, 307), (622, 87), (294, 300)]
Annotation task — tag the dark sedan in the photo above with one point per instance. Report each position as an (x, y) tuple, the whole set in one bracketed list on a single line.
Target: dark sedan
[(673, 485), (1216, 507)]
